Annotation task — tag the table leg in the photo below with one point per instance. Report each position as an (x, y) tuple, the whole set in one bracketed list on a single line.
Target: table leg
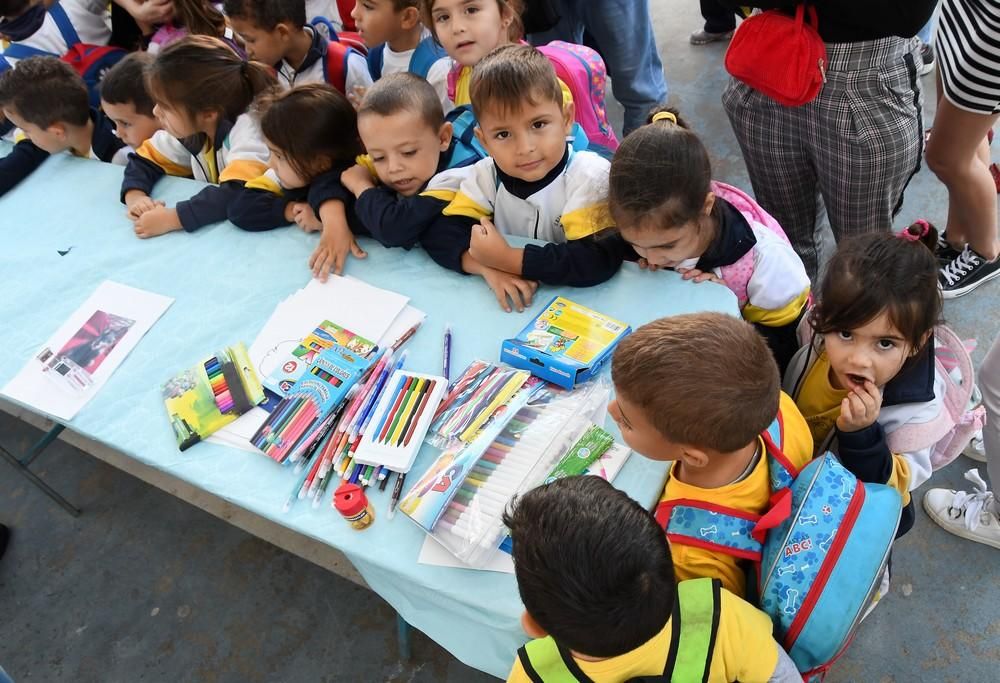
[(403, 633), (21, 465)]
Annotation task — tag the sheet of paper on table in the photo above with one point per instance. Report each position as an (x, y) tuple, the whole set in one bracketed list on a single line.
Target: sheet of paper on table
[(77, 360), (434, 554), (369, 311)]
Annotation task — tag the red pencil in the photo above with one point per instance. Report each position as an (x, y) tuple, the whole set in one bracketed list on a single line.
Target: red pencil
[(424, 400), (291, 435), (395, 406)]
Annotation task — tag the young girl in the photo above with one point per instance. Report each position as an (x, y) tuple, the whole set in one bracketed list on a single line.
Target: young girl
[(311, 132), (664, 202), (202, 91), (870, 369), (193, 17)]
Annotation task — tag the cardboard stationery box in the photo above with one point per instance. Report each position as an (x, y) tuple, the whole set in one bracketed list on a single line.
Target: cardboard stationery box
[(565, 344)]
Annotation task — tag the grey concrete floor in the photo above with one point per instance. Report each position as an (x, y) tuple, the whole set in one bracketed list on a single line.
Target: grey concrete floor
[(144, 587)]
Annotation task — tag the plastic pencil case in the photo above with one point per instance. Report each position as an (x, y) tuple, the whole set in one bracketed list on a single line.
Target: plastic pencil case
[(531, 444)]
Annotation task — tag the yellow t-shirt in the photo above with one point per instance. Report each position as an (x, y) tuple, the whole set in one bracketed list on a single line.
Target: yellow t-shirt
[(818, 400), (750, 494), (744, 650)]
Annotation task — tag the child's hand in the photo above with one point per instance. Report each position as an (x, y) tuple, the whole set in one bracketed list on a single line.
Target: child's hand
[(157, 221), (334, 246), (699, 275), (490, 248), (357, 179), (139, 203), (860, 408), (304, 217), (506, 286), (356, 95)]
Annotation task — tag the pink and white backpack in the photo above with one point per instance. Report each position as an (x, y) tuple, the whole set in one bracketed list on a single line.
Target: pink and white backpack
[(737, 275)]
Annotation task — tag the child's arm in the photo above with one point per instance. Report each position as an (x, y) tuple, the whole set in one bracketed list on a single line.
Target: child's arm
[(446, 241), (779, 287), (582, 262), (158, 156), (335, 243), (505, 286), (261, 206), (396, 221), (19, 164)]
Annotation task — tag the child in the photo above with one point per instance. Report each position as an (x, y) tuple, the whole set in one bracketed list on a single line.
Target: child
[(202, 91), (45, 27), (594, 573), (700, 390), (48, 101), (275, 32), (411, 150), (666, 205), (869, 368), (534, 185), (196, 18), (311, 133), (398, 41), (126, 101)]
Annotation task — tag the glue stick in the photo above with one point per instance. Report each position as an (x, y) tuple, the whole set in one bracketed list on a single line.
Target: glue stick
[(351, 502)]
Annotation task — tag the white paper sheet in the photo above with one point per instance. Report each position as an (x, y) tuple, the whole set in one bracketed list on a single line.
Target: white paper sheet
[(78, 359)]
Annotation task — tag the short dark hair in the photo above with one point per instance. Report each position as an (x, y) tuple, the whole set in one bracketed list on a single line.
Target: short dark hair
[(45, 91), (593, 567), (660, 175), (267, 14), (314, 125), (125, 83), (511, 75), (703, 379), (403, 91), (13, 8), (877, 272)]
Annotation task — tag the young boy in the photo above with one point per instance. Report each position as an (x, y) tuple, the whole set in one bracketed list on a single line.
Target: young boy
[(594, 573), (411, 152), (533, 185), (126, 101), (48, 101), (700, 390), (398, 41), (275, 32)]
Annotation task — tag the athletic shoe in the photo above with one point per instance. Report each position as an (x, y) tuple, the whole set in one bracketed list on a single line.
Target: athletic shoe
[(926, 64), (944, 252), (970, 515), (703, 37), (965, 273), (976, 450)]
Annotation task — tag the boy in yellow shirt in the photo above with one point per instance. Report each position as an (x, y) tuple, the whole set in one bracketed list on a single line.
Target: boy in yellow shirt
[(594, 572), (703, 391)]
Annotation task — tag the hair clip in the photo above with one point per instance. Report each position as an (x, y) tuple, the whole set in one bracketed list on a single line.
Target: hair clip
[(664, 116), (911, 236)]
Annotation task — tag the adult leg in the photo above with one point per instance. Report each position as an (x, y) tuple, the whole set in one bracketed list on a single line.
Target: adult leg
[(783, 178), (867, 136), (623, 30), (720, 21)]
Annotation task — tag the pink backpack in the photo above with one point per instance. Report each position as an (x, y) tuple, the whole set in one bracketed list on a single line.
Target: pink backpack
[(584, 73), (737, 275), (952, 430)]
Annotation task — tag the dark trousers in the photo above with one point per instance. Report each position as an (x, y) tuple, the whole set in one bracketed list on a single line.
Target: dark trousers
[(718, 19)]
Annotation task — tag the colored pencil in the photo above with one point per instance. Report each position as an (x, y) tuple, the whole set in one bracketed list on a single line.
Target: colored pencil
[(392, 399), (405, 409), (446, 361), (415, 418), (397, 489), (406, 382)]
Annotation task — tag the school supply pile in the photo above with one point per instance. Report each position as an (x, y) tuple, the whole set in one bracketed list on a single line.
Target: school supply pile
[(565, 344), (210, 395), (461, 498)]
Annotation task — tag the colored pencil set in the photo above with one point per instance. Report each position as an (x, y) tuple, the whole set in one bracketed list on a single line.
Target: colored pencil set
[(220, 389), (474, 399), (462, 498)]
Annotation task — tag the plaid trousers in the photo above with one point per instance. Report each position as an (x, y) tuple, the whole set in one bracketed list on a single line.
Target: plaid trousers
[(848, 154)]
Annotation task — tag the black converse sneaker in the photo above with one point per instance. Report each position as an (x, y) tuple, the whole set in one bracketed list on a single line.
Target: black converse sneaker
[(944, 252), (965, 273)]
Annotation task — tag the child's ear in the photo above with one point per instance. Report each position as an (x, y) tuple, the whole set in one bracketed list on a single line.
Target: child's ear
[(445, 134), (58, 130), (694, 457), (409, 18), (923, 343), (709, 204), (531, 626), (480, 136), (284, 31), (569, 116)]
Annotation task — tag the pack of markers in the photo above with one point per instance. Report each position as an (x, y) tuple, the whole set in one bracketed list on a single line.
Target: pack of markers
[(543, 432)]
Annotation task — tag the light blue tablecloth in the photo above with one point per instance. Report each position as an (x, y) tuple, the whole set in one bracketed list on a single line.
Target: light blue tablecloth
[(226, 283)]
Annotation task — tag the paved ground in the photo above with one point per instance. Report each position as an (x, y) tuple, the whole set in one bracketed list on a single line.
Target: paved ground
[(145, 588)]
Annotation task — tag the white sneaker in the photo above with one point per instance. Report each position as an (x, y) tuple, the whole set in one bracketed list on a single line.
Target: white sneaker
[(976, 450), (970, 515)]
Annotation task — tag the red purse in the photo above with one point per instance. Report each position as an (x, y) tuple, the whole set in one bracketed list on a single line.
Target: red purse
[(781, 56)]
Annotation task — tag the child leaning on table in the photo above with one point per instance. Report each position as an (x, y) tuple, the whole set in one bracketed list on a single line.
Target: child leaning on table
[(601, 602), (534, 184), (48, 101), (127, 102), (700, 390)]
